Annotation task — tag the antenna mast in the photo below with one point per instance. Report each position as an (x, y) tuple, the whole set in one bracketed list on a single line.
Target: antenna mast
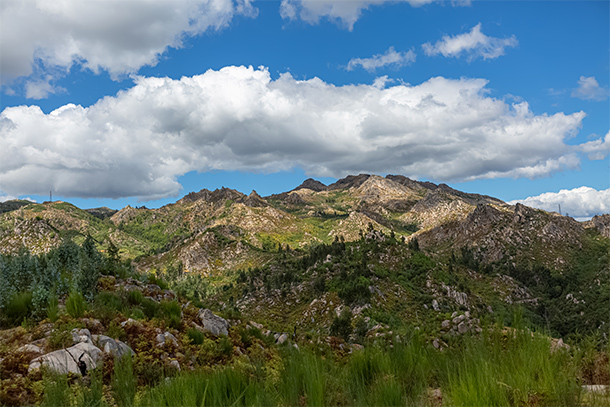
[(51, 196), (559, 209)]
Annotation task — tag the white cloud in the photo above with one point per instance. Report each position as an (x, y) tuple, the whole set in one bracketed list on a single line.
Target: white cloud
[(381, 81), (41, 88), (4, 198), (473, 45), (589, 89), (389, 58), (138, 142), (597, 149), (345, 12), (580, 203), (114, 35)]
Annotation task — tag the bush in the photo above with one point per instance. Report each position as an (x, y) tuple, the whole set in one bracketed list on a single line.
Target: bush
[(137, 313), (150, 308), (53, 309), (355, 291), (196, 336), (18, 308), (342, 325), (56, 390), (135, 297), (124, 382), (76, 305), (172, 313)]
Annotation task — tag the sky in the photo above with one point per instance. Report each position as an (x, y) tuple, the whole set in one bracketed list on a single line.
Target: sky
[(139, 102)]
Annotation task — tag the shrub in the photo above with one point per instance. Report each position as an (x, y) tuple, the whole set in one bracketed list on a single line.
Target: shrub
[(116, 331), (76, 305), (355, 291), (137, 313), (135, 297), (172, 313), (124, 382), (150, 307), (56, 390), (18, 308), (53, 309), (342, 325), (196, 336)]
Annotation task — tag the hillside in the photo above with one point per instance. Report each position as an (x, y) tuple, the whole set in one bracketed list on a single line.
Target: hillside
[(364, 270)]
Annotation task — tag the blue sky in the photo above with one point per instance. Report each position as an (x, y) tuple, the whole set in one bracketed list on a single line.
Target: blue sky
[(505, 98)]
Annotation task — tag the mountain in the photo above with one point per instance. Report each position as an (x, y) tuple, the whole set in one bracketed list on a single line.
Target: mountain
[(314, 274), (218, 233), (443, 219)]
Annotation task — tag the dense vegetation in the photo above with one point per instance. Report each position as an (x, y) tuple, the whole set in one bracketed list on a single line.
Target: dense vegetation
[(386, 353)]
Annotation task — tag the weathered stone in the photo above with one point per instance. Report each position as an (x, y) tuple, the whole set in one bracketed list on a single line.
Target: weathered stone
[(462, 328), (131, 322), (435, 305), (65, 360), (436, 344), (283, 338), (30, 348), (163, 338), (212, 323), (113, 346), (175, 364), (81, 335), (445, 324)]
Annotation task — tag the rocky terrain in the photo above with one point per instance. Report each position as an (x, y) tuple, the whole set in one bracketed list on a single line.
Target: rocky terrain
[(366, 264)]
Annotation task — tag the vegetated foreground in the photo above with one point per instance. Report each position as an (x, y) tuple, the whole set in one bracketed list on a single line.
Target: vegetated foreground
[(358, 293)]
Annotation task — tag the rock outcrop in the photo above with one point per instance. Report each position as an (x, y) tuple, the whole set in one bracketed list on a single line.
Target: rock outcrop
[(212, 323)]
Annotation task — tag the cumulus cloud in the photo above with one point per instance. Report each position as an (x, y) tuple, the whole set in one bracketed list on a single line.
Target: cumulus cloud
[(114, 35), (140, 141), (597, 149), (4, 198), (389, 58), (581, 203), (345, 12), (589, 89), (473, 45)]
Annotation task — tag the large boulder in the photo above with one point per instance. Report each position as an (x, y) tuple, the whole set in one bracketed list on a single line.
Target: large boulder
[(212, 323), (65, 360), (113, 346)]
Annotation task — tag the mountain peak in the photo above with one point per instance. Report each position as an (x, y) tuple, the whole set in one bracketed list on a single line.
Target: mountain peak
[(312, 184)]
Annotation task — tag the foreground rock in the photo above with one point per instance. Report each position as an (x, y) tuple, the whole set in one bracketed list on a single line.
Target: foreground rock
[(65, 360), (212, 323), (90, 350)]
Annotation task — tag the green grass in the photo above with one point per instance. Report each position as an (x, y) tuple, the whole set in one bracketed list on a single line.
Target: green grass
[(124, 382), (501, 368)]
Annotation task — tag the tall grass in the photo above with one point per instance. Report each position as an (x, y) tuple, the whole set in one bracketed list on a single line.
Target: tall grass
[(124, 382), (511, 367), (76, 305), (56, 390)]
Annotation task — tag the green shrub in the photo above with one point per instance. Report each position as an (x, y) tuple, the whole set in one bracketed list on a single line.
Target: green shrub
[(18, 308), (92, 395), (137, 313), (56, 390), (116, 331), (53, 309), (342, 325), (76, 305), (135, 297), (225, 346), (153, 279), (196, 336), (110, 300), (172, 313), (150, 307), (124, 382)]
